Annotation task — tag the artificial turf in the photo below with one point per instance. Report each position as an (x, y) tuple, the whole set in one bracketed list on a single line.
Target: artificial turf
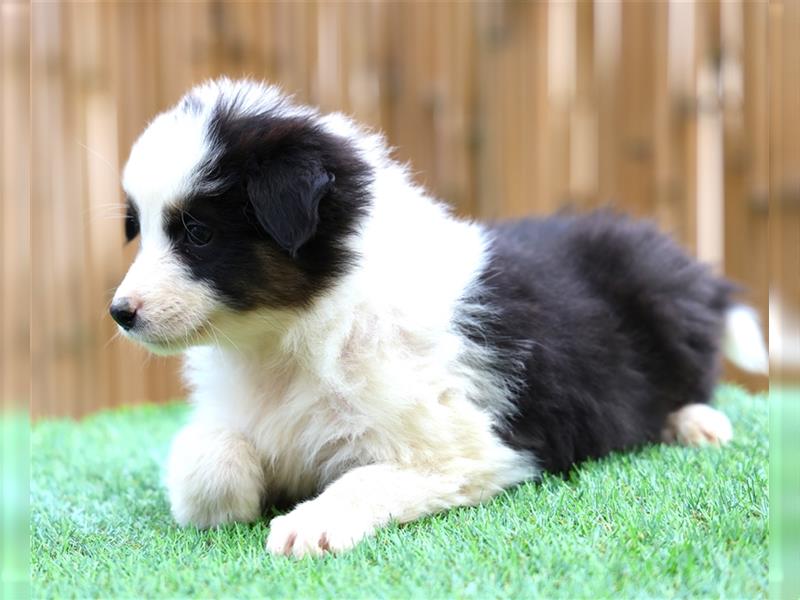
[(660, 522)]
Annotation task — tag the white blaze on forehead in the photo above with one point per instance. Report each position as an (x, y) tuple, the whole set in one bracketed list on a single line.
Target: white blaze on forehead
[(164, 161), (249, 96)]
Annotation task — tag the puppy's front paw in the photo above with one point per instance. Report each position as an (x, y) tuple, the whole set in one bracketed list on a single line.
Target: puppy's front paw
[(214, 477), (314, 528)]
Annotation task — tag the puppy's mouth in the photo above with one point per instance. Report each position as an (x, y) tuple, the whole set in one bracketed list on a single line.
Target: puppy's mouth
[(167, 345)]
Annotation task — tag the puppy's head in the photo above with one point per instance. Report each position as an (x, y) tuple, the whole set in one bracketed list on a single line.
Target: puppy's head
[(244, 203)]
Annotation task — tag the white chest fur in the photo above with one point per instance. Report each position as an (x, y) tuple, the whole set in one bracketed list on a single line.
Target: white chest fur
[(365, 391)]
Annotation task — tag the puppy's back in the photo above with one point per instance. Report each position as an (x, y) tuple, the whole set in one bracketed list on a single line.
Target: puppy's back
[(608, 325)]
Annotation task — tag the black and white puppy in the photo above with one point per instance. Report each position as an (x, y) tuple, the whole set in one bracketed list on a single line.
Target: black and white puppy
[(352, 345)]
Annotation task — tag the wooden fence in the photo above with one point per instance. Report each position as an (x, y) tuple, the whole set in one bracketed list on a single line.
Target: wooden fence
[(504, 108)]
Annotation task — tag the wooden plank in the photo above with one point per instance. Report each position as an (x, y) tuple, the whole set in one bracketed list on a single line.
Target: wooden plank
[(636, 165), (52, 386), (411, 117), (710, 168), (666, 208), (361, 79), (784, 200), (331, 58), (745, 221), (83, 54), (561, 49), (537, 193), (512, 110), (453, 104), (15, 365), (607, 78), (583, 125)]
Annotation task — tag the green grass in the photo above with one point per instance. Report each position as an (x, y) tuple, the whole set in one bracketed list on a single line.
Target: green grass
[(661, 522)]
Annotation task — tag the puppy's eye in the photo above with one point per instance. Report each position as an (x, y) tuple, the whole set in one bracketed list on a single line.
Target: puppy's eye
[(197, 234), (131, 223)]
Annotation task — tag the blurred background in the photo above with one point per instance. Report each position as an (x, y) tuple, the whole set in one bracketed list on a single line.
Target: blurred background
[(684, 112)]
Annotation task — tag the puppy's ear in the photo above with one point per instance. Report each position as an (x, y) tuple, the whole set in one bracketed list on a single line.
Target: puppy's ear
[(285, 198)]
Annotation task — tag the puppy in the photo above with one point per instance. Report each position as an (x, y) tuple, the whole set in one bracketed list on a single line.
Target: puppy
[(352, 346)]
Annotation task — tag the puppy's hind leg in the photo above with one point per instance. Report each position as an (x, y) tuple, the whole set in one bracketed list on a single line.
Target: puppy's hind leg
[(697, 425)]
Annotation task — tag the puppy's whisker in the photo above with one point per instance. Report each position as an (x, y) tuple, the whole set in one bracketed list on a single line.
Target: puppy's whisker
[(216, 329), (119, 204), (114, 169), (114, 337), (108, 217)]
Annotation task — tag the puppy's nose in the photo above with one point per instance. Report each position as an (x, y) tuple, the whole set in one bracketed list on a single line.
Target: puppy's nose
[(123, 311)]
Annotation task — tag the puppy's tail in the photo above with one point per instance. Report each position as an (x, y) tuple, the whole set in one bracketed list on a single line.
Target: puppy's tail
[(744, 342)]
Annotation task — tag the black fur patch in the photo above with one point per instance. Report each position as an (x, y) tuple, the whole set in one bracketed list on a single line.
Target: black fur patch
[(280, 197), (131, 220), (608, 325)]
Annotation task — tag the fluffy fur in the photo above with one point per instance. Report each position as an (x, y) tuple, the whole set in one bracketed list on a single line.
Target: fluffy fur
[(353, 347)]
